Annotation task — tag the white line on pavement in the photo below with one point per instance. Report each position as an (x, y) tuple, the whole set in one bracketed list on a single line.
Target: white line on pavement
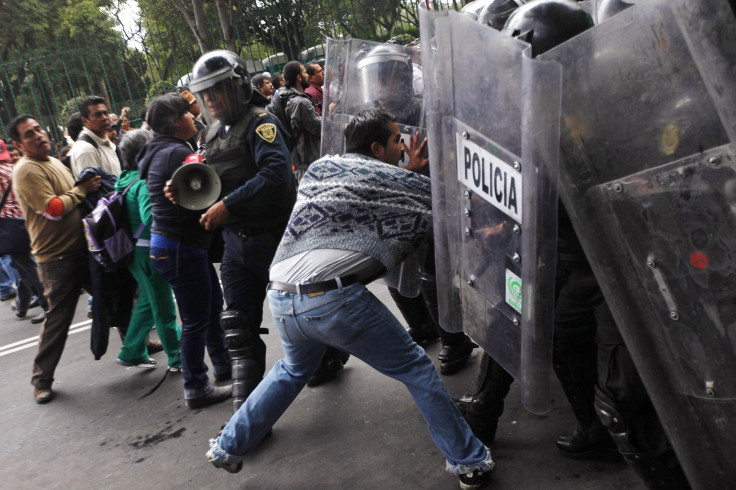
[(33, 341)]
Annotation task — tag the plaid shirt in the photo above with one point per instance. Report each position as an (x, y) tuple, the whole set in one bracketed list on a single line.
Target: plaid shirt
[(11, 209)]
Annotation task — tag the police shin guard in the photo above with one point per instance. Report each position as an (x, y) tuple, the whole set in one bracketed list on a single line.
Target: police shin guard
[(414, 311), (483, 409), (576, 371), (247, 353), (651, 468)]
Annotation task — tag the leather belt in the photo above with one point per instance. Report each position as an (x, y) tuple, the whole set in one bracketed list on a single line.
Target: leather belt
[(314, 287)]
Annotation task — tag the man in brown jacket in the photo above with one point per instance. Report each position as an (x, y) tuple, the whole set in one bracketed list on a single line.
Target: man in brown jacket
[(49, 200)]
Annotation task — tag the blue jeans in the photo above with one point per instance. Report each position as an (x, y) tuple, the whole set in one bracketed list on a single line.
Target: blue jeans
[(29, 284), (353, 320), (8, 276), (199, 297)]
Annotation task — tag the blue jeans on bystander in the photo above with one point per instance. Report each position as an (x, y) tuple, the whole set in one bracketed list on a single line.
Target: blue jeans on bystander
[(199, 297)]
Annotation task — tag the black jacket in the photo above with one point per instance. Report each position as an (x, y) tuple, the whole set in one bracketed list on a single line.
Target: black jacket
[(157, 162)]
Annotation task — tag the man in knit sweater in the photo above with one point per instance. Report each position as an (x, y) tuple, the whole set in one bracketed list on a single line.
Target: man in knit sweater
[(49, 200), (356, 216)]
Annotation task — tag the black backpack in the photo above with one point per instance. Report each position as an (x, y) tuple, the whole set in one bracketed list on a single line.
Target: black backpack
[(278, 108), (107, 235)]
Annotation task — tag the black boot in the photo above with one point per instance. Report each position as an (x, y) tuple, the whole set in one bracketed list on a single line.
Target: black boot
[(483, 409), (414, 310), (456, 350), (590, 442), (482, 412), (332, 362), (247, 353)]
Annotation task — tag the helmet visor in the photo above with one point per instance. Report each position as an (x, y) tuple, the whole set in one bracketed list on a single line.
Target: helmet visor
[(386, 85), (226, 101)]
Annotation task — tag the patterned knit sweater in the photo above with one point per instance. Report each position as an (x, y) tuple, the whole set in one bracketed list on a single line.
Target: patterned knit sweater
[(353, 202)]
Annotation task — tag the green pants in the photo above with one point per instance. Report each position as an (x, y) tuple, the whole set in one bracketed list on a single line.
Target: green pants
[(155, 306)]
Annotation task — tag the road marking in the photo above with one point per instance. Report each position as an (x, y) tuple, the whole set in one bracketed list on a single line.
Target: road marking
[(33, 341)]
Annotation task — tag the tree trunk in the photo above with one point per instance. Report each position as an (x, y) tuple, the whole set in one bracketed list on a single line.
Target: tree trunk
[(225, 13), (197, 22)]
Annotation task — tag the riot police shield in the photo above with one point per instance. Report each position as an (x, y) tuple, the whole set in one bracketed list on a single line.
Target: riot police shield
[(492, 116), (648, 177), (364, 75)]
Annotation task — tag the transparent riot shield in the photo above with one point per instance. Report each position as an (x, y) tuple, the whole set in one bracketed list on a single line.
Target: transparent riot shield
[(492, 116), (364, 75), (648, 176)]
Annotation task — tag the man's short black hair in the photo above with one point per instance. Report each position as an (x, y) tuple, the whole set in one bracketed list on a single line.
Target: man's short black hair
[(164, 110), (312, 68), (88, 101), (13, 133), (259, 80), (292, 69), (276, 80), (74, 125), (365, 128)]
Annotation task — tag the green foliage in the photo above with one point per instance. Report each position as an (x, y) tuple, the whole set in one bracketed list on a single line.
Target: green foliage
[(160, 88), (70, 107)]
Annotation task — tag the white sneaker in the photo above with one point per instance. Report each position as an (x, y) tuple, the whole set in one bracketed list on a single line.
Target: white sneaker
[(150, 363)]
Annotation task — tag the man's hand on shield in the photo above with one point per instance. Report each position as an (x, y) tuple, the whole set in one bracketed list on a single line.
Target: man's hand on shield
[(415, 151)]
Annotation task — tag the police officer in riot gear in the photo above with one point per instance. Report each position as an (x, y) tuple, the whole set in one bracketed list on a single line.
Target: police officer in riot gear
[(497, 12), (386, 76), (590, 359), (245, 145), (387, 83)]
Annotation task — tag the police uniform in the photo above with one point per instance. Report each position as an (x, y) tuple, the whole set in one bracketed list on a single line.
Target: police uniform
[(259, 191)]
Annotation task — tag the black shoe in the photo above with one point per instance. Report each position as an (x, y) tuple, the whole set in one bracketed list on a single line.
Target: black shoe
[(33, 304), (217, 395), (454, 357), (153, 346), (482, 415), (332, 363), (475, 479), (41, 317), (8, 296), (19, 314), (428, 333), (584, 444)]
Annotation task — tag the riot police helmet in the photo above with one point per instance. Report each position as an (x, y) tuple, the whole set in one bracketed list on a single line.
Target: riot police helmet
[(474, 8), (221, 84), (608, 8), (496, 13), (547, 23), (386, 77)]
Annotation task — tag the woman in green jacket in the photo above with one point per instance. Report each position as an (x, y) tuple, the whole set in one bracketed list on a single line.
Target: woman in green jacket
[(155, 304)]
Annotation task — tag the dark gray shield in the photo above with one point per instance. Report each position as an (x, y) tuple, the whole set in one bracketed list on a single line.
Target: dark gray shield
[(648, 175)]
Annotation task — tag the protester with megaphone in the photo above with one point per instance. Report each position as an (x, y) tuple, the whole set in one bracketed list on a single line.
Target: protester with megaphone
[(179, 251)]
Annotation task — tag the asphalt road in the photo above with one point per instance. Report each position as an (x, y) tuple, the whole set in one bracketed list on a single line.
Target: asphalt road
[(360, 431)]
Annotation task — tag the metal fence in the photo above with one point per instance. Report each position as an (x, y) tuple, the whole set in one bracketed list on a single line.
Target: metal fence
[(152, 57)]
